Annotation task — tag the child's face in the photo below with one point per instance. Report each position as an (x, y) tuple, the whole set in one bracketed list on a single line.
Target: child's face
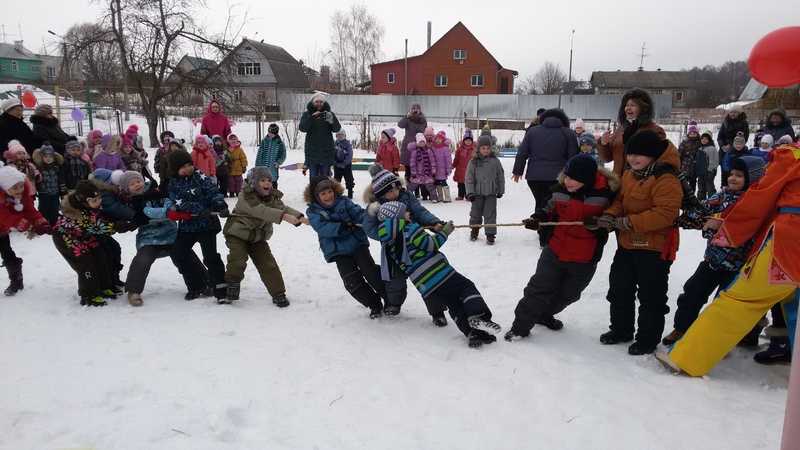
[(467, 142), (384, 139), (186, 170), (572, 185), (233, 141), (429, 137), (135, 186), (17, 189), (422, 144), (98, 140), (586, 148), (265, 184), (271, 135), (579, 130), (738, 146), (693, 135), (139, 141), (22, 154), (75, 151), (736, 180), (127, 148), (438, 141), (392, 194), (174, 147), (95, 202), (765, 146), (704, 140), (47, 159), (485, 149), (201, 145), (339, 137), (326, 197), (639, 162)]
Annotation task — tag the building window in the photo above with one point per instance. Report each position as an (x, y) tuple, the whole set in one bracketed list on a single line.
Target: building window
[(238, 96), (440, 81), (262, 96), (51, 71), (197, 91), (390, 78), (34, 69), (678, 96), (459, 54), (247, 69), (476, 80), (14, 66)]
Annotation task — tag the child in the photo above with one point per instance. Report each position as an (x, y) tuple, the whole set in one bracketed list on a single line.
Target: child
[(409, 247), (587, 143), (76, 238), (764, 147), (770, 275), (94, 145), (49, 164), (687, 151), (203, 158), (335, 218), (707, 160), (222, 162), (74, 169), (164, 172), (130, 157), (238, 165), (460, 162), (164, 138), (423, 166), (17, 211), (386, 187), (249, 229), (109, 158), (485, 183), (107, 183), (271, 152), (192, 191), (16, 156), (720, 265), (387, 154), (737, 149), (644, 211), (343, 161), (569, 259), (444, 162)]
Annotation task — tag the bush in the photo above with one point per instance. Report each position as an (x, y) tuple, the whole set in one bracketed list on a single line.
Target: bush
[(509, 144)]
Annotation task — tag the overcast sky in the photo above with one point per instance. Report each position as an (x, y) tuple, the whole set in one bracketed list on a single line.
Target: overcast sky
[(521, 34)]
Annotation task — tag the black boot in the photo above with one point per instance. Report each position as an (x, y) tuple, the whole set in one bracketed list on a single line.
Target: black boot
[(473, 234), (15, 275), (350, 193)]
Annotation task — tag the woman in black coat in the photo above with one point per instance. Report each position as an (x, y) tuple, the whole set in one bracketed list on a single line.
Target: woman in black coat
[(12, 126), (47, 128), (734, 122)]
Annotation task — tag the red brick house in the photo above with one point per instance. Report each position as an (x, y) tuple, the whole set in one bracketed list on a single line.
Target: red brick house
[(457, 64)]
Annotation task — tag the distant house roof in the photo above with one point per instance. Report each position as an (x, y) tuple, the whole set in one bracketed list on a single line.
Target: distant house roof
[(10, 51), (288, 71), (753, 91), (644, 79), (200, 63)]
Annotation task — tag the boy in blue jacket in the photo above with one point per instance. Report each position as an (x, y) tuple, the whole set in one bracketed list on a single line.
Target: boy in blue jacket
[(343, 161)]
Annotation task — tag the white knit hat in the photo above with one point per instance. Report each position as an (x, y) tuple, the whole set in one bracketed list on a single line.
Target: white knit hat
[(9, 176)]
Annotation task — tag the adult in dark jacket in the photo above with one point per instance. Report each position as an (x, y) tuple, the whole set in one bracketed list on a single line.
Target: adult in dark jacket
[(778, 125), (414, 122), (635, 113), (12, 126), (734, 122), (47, 128), (319, 123), (546, 149)]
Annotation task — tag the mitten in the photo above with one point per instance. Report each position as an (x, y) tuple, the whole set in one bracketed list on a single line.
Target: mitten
[(499, 195), (448, 227), (204, 214), (23, 225), (141, 218), (623, 223), (173, 215), (606, 221), (224, 213), (329, 117), (471, 197), (531, 223), (43, 228)]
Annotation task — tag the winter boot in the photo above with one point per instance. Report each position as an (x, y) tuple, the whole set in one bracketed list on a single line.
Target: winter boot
[(779, 351), (514, 335), (479, 337), (191, 295), (550, 322), (88, 300), (672, 337), (439, 319), (638, 348), (280, 301), (445, 194), (440, 192), (391, 310), (233, 290), (612, 337), (473, 234), (489, 239), (118, 282), (135, 299), (15, 275), (375, 312), (109, 294), (479, 323)]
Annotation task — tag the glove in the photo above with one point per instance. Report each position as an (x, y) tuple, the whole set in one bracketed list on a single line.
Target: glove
[(531, 223), (499, 195), (122, 226), (623, 223), (141, 218), (204, 214), (347, 226), (448, 227), (471, 198), (329, 117), (43, 228), (224, 213), (23, 225), (606, 221), (173, 215)]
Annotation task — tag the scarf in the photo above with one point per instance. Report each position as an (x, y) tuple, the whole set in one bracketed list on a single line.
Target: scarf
[(77, 168)]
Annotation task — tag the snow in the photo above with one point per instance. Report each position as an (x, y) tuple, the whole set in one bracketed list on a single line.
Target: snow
[(320, 374)]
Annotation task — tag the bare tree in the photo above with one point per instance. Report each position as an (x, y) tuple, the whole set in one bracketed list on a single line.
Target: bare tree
[(549, 79), (526, 86), (92, 47), (356, 38)]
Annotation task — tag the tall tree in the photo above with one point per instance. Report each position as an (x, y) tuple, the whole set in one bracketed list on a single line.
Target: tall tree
[(526, 86), (92, 47), (549, 79), (356, 38)]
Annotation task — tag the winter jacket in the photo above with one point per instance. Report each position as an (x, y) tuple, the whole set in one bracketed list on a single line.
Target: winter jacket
[(29, 170), (80, 228), (319, 134), (416, 252), (706, 160), (343, 153), (687, 151), (193, 194), (485, 175), (652, 204), (113, 207), (729, 129), (48, 129), (444, 160), (546, 148), (780, 130), (575, 243), (419, 214), (461, 160), (422, 164), (411, 125), (215, 124), (732, 154), (11, 218), (271, 151), (327, 222), (110, 161), (160, 153), (133, 161), (153, 204), (254, 215), (388, 155), (49, 183), (13, 128), (204, 160), (238, 161), (73, 170)]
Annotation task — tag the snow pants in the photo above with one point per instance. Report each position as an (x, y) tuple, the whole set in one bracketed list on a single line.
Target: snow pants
[(484, 210), (235, 184), (462, 299), (193, 277), (91, 267), (696, 291), (261, 254), (48, 206), (143, 261), (397, 291), (345, 172), (361, 277)]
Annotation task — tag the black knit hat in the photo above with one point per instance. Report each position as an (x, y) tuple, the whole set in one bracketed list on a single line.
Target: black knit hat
[(581, 168), (84, 191), (646, 143), (178, 158), (383, 181), (273, 128)]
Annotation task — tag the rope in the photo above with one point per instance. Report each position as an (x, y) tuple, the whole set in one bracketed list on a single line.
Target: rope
[(543, 224)]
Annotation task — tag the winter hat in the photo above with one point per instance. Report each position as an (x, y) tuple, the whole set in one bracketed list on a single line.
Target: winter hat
[(47, 149), (9, 176), (581, 168), (341, 132), (486, 131), (273, 128), (94, 134), (428, 132), (215, 138), (441, 135), (540, 111), (467, 135), (10, 103), (692, 128), (420, 138), (392, 210), (200, 138), (383, 181), (72, 143), (209, 142), (579, 123), (234, 138), (179, 158), (320, 183), (126, 178), (646, 143), (739, 139), (102, 174), (14, 146), (317, 96), (752, 167), (779, 112), (416, 105), (484, 140), (767, 138), (84, 191), (784, 140), (257, 173), (709, 135), (389, 132), (587, 138), (127, 141), (133, 129), (165, 134), (105, 140), (43, 110), (737, 108)]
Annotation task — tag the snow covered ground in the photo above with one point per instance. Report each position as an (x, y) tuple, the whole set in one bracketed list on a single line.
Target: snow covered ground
[(321, 375)]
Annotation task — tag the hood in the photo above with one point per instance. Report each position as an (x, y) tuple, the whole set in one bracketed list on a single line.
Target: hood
[(37, 157), (309, 197), (45, 121), (734, 122), (670, 157), (208, 109), (558, 118), (103, 186), (68, 210), (476, 154), (370, 198), (612, 180), (647, 111)]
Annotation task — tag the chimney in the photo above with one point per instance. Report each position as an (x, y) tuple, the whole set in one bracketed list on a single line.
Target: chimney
[(18, 44), (429, 34)]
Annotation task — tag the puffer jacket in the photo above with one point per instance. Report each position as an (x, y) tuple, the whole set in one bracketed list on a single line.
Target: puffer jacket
[(49, 184), (238, 161), (11, 218), (204, 160), (461, 160), (193, 194), (419, 214), (254, 215), (546, 148), (327, 221), (444, 160), (271, 151), (319, 134), (422, 164), (388, 155), (343, 153), (153, 204), (485, 175), (80, 228), (688, 150)]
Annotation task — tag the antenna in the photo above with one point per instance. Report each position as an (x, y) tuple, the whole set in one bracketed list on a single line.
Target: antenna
[(641, 58), (20, 30)]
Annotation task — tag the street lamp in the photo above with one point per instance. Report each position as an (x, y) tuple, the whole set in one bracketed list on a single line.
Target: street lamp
[(570, 65)]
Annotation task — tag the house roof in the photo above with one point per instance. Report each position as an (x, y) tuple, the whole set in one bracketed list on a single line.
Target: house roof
[(200, 63), (644, 79), (753, 91), (10, 51), (288, 71)]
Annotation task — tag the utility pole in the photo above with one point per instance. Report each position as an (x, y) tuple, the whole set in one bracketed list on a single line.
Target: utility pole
[(125, 81), (405, 75), (570, 65)]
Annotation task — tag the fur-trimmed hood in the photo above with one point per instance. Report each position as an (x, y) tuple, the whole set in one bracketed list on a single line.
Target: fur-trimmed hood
[(477, 155), (103, 186), (558, 118), (645, 100), (37, 157), (67, 209), (310, 198), (734, 123), (613, 180)]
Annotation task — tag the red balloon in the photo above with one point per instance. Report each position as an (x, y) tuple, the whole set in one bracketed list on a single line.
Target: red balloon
[(775, 59), (28, 99)]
